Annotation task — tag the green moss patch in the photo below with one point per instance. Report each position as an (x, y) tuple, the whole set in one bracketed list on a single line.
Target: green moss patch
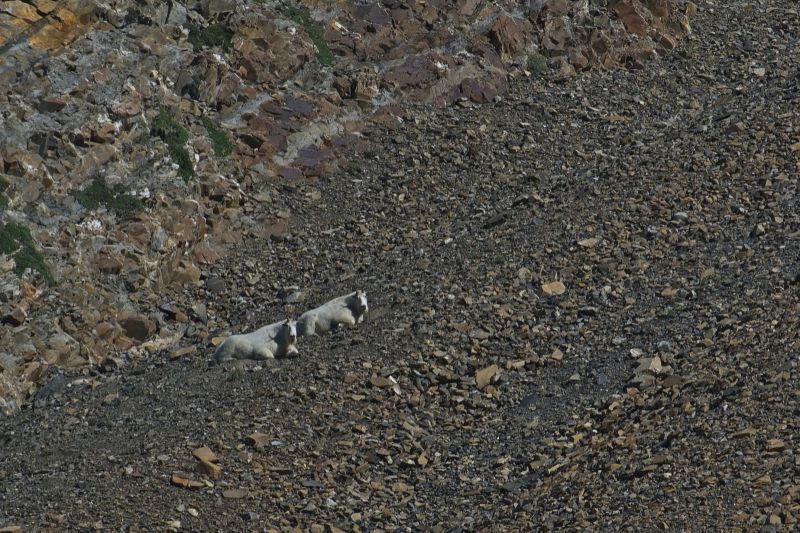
[(116, 199), (210, 36), (537, 64), (222, 145), (313, 29), (3, 198), (16, 241), (175, 135)]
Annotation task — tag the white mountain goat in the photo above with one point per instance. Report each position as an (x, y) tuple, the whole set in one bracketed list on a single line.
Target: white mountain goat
[(348, 309), (274, 340)]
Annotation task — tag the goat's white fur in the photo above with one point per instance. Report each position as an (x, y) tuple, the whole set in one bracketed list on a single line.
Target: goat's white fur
[(349, 309), (274, 340)]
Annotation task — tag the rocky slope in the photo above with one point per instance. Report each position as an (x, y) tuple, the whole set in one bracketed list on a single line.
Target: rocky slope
[(141, 139), (584, 316)]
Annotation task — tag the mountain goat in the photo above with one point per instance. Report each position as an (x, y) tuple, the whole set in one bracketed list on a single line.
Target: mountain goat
[(348, 309), (274, 340)]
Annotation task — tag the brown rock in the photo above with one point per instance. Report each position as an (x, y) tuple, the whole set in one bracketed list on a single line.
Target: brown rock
[(20, 10), (187, 350), (665, 42), (485, 375), (566, 70), (669, 292), (589, 243), (745, 433), (97, 156), (45, 6), (186, 482), (480, 90), (186, 273), (775, 445), (557, 37), (510, 36), (235, 494), (554, 288), (417, 71), (130, 106), (258, 440), (208, 468), (205, 253), (634, 15), (380, 381), (204, 454), (651, 365)]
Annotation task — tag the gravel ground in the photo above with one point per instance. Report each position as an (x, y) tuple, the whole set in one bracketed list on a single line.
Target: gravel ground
[(584, 315)]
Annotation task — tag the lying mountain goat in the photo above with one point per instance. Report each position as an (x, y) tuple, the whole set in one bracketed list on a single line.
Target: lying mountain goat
[(348, 309), (274, 340)]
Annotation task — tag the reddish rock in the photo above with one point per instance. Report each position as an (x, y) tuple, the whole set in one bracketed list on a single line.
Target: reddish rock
[(481, 90), (139, 232), (205, 253), (487, 52), (578, 59), (510, 36), (130, 106), (634, 15), (558, 36), (186, 272), (664, 42), (415, 72)]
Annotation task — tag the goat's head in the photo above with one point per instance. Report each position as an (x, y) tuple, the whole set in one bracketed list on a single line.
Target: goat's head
[(289, 329), (361, 297)]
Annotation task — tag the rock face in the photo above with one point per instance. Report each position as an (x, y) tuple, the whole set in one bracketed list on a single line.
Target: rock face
[(140, 139)]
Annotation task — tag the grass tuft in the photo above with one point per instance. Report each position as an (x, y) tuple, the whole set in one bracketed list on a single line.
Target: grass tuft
[(175, 135), (115, 199), (210, 36), (3, 198), (537, 64), (302, 17), (16, 241), (222, 145)]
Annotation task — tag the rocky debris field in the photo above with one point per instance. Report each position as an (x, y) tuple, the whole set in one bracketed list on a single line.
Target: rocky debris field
[(140, 140), (583, 315)]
